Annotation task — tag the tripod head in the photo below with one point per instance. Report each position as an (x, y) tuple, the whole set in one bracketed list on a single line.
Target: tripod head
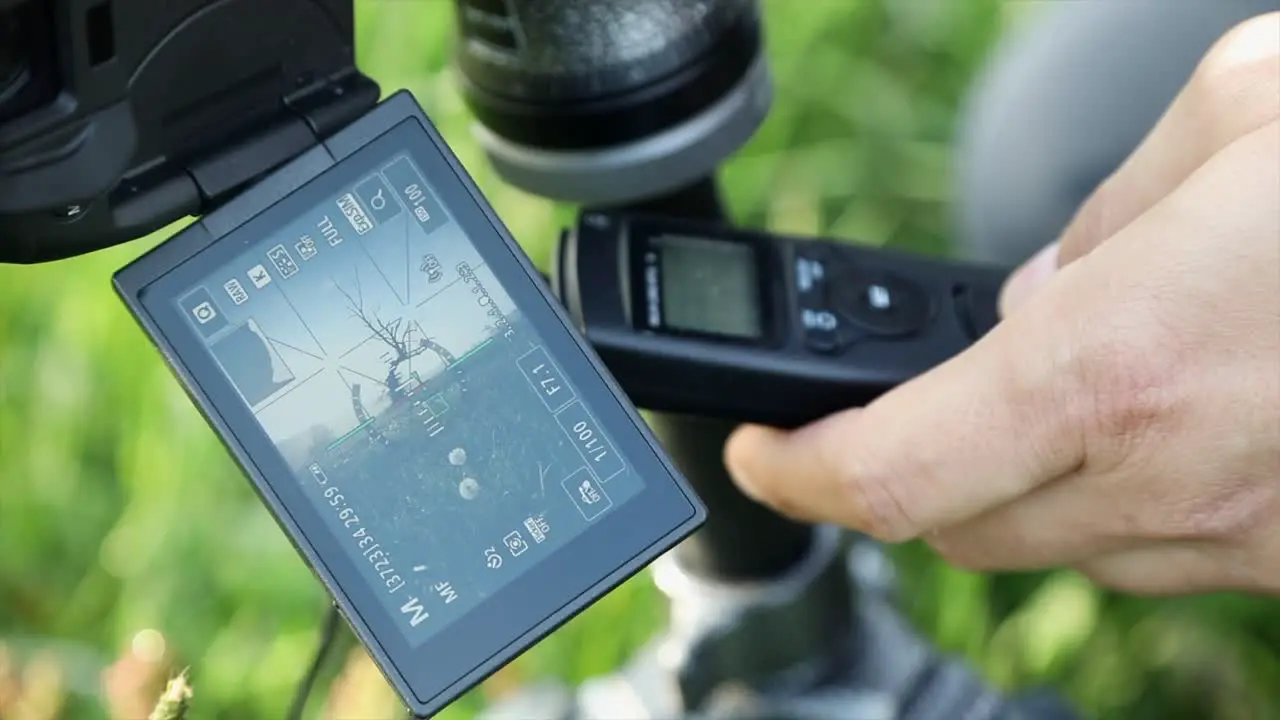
[(615, 104)]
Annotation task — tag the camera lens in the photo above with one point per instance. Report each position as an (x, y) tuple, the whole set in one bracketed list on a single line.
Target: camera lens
[(13, 54)]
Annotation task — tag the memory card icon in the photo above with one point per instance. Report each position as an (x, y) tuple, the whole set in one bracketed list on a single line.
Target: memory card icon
[(280, 257)]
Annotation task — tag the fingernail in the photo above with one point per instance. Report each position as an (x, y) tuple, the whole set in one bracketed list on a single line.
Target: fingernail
[(1030, 277)]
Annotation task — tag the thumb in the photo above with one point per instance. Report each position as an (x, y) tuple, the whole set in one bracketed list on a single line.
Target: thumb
[(977, 431)]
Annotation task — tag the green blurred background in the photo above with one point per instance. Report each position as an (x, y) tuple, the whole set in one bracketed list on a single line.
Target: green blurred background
[(131, 547)]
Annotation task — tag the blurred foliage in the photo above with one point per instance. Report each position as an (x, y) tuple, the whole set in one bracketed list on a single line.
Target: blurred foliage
[(131, 547)]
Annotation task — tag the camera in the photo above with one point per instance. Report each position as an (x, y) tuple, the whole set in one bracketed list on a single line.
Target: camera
[(119, 118)]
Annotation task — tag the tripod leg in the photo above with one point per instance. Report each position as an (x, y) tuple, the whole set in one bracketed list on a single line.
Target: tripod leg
[(742, 539)]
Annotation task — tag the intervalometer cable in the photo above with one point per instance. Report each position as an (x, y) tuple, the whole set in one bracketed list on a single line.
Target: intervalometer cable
[(328, 638)]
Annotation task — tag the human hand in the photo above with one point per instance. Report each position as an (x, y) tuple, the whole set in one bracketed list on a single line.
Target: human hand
[(1124, 417)]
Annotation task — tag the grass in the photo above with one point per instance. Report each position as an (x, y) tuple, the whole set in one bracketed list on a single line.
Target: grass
[(131, 548)]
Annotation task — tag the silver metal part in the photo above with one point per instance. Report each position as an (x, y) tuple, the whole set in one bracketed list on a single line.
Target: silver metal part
[(728, 656), (657, 164), (719, 629), (812, 645)]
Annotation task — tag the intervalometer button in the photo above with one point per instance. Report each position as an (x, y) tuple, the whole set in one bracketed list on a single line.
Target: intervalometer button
[(884, 304), (810, 276), (823, 331)]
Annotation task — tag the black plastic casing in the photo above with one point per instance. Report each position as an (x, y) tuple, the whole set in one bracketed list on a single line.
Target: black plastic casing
[(779, 380), (608, 87), (138, 113), (532, 605)]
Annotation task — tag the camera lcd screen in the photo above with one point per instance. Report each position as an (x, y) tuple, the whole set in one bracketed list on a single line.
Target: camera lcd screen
[(409, 395), (376, 352), (709, 286)]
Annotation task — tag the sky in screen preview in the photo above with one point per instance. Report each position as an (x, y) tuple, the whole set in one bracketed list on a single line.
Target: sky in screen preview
[(291, 320)]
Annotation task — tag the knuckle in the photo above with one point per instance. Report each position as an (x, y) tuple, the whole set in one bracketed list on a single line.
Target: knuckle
[(1123, 385), (1226, 511), (1030, 396), (1128, 401), (1236, 87), (876, 493)]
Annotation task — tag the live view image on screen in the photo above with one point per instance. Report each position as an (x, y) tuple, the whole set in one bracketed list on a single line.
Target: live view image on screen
[(410, 396)]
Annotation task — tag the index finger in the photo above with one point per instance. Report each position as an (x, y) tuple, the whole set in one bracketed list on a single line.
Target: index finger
[(1233, 92)]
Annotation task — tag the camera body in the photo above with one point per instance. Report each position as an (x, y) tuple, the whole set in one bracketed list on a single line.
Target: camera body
[(119, 118)]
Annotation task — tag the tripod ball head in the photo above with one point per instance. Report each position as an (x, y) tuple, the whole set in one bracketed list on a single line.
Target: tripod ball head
[(611, 101)]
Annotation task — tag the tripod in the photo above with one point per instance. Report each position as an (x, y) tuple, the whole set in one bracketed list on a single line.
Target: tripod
[(770, 618)]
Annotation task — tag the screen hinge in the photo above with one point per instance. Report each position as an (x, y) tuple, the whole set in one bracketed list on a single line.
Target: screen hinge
[(203, 180), (305, 119)]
